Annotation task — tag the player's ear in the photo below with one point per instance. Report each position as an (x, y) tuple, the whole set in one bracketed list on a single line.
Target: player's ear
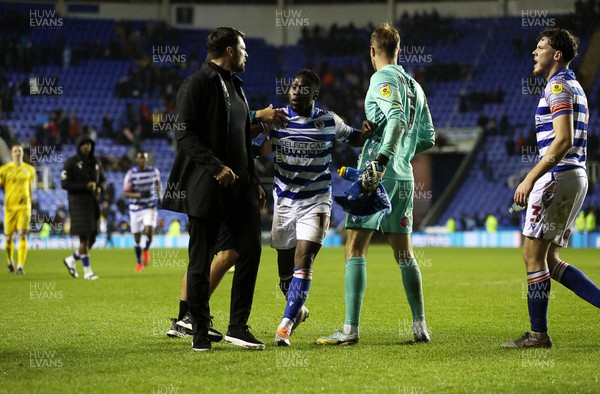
[(557, 56), (316, 95)]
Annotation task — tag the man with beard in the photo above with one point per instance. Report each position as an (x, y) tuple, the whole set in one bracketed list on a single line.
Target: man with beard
[(213, 181)]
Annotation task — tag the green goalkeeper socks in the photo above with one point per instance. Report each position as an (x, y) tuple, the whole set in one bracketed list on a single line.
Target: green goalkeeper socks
[(355, 285), (411, 278)]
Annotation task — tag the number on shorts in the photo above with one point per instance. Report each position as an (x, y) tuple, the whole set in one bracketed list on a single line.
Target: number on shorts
[(536, 213)]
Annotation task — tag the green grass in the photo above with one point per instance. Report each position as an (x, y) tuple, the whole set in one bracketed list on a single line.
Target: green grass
[(109, 335)]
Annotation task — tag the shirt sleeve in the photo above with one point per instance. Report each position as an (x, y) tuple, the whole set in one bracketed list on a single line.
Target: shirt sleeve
[(127, 182), (559, 96), (425, 130), (386, 91), (32, 177), (2, 176), (343, 132)]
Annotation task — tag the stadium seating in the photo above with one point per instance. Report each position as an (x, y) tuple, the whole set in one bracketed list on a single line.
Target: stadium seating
[(484, 44)]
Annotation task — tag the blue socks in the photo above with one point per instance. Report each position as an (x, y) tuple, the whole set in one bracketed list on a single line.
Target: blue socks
[(538, 294), (138, 253), (576, 281), (298, 292), (85, 260)]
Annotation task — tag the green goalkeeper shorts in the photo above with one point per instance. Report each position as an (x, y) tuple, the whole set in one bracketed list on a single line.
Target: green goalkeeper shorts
[(400, 220)]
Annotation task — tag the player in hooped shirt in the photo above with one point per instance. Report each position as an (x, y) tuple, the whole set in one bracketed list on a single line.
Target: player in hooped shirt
[(555, 188), (302, 191), (143, 187)]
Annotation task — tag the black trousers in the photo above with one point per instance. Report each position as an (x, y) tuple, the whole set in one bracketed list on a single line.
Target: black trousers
[(242, 218)]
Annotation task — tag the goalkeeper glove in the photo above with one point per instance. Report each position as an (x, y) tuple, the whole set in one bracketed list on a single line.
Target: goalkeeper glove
[(371, 176)]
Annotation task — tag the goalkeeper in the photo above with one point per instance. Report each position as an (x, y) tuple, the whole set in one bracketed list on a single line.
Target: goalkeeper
[(397, 104)]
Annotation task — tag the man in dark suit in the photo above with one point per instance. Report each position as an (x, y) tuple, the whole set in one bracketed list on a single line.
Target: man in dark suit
[(84, 180), (213, 181)]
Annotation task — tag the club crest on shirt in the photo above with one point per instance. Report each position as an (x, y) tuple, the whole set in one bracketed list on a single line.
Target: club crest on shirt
[(404, 222), (319, 124), (556, 87), (385, 90)]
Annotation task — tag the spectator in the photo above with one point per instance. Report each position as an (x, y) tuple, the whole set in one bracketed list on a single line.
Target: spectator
[(174, 229), (590, 220), (451, 225), (74, 128), (491, 223), (107, 126)]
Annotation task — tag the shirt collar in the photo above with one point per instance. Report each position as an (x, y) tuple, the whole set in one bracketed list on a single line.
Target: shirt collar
[(224, 73), (563, 71), (294, 114)]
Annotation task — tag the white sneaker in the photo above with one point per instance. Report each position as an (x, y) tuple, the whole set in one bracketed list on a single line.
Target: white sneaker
[(420, 331), (91, 276), (71, 268)]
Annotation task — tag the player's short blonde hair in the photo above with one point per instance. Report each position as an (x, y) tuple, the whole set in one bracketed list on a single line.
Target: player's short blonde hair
[(386, 38)]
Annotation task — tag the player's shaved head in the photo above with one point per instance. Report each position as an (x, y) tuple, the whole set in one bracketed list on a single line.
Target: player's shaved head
[(562, 40), (221, 38), (386, 39)]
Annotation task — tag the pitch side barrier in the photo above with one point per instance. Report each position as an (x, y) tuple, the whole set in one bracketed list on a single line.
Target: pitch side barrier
[(468, 239)]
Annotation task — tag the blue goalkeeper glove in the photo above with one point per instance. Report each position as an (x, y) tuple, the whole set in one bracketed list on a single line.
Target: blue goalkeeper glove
[(371, 176)]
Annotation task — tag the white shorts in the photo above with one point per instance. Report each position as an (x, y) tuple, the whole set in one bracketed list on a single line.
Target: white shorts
[(139, 220), (554, 204), (306, 223)]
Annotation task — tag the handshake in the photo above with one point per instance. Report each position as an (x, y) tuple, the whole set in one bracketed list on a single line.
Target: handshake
[(370, 177)]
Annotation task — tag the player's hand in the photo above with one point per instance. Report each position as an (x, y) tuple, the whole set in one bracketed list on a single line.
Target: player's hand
[(97, 192), (371, 176), (368, 128), (91, 186), (225, 176), (270, 116), (522, 192), (262, 197)]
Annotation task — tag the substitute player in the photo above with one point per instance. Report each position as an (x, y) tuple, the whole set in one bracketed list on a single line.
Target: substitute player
[(143, 187), (555, 188), (83, 179), (397, 104), (17, 179), (302, 191)]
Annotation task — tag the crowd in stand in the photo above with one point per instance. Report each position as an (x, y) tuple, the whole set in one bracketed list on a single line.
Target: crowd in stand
[(343, 87)]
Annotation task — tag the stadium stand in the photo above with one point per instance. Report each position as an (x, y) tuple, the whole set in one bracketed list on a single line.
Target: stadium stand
[(476, 74)]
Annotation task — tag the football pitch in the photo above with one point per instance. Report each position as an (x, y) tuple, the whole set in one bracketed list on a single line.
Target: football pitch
[(63, 335)]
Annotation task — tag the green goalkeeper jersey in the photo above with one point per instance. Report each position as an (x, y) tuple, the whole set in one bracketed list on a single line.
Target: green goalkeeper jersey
[(397, 104)]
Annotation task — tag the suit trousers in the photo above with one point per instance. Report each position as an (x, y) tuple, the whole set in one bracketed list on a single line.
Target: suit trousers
[(241, 214)]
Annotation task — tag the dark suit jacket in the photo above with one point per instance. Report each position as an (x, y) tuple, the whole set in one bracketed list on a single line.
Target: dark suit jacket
[(203, 110)]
